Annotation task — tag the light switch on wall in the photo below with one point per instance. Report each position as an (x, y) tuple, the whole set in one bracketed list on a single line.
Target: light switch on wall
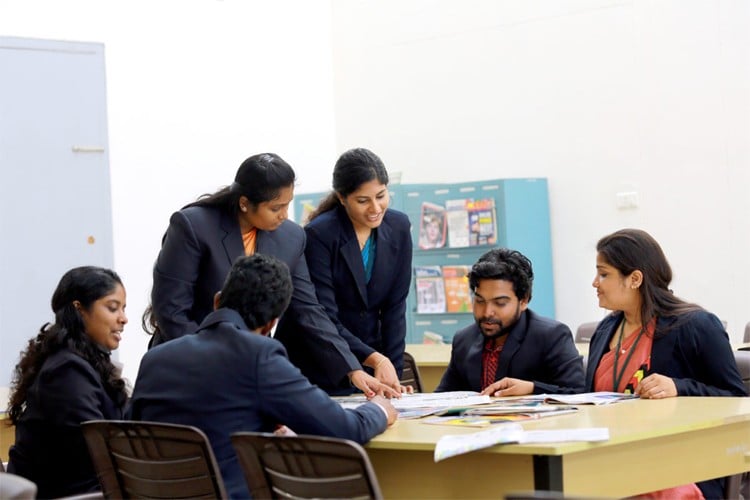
[(627, 199)]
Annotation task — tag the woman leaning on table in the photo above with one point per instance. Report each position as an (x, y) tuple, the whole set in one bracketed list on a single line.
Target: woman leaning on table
[(655, 344), (205, 237), (359, 255), (65, 377)]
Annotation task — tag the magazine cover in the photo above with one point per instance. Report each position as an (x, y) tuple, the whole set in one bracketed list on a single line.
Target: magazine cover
[(432, 226), (482, 230), (458, 223), (430, 289), (457, 293), (471, 222)]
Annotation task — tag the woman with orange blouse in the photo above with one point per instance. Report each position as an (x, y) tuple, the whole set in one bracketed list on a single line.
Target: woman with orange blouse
[(655, 344)]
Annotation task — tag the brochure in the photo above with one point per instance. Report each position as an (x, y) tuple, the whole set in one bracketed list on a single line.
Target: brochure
[(484, 420), (589, 398)]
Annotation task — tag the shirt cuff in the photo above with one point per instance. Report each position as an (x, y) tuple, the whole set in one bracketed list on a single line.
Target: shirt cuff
[(385, 412)]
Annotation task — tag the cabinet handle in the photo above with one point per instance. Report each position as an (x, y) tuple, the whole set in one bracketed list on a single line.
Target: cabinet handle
[(88, 149)]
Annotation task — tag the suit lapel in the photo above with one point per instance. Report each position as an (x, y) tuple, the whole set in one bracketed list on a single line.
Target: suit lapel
[(265, 243), (475, 359), (512, 344), (351, 254), (386, 255), (232, 238)]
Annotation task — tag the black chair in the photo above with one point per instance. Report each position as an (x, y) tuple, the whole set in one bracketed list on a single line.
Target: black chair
[(746, 338), (152, 460), (585, 331), (305, 467), (410, 375)]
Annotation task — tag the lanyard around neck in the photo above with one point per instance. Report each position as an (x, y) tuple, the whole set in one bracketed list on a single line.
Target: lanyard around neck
[(617, 378)]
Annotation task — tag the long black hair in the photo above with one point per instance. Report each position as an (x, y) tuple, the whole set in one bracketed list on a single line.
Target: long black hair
[(85, 285), (628, 250), (259, 178)]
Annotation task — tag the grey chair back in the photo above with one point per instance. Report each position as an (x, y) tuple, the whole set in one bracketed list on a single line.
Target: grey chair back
[(585, 331), (305, 467), (743, 364), (152, 460)]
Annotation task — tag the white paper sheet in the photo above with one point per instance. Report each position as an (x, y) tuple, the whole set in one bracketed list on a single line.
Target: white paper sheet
[(451, 445)]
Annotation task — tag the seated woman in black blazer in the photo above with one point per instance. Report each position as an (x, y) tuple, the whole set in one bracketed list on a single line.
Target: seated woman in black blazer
[(65, 377), (655, 344)]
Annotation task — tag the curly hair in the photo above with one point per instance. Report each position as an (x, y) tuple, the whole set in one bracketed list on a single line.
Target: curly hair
[(258, 287), (86, 285), (507, 265)]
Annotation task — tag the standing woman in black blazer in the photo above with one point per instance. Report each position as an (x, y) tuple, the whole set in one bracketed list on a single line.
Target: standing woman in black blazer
[(65, 377), (204, 239), (359, 254)]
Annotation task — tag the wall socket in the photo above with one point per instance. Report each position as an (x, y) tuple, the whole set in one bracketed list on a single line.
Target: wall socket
[(627, 199)]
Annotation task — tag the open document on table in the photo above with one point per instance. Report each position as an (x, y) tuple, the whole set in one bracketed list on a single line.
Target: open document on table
[(507, 433), (424, 403)]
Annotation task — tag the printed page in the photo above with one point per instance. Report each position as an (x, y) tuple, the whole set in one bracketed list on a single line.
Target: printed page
[(452, 445), (588, 398)]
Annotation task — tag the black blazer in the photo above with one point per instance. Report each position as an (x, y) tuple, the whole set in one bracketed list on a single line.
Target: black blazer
[(694, 352), (198, 250), (239, 381), (538, 349), (49, 448), (370, 316)]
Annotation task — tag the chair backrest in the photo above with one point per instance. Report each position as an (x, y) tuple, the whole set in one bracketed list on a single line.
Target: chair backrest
[(304, 467), (585, 331), (410, 375), (743, 363), (13, 487), (746, 338), (152, 460)]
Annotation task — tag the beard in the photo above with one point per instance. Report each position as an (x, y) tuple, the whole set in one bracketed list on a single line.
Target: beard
[(502, 328)]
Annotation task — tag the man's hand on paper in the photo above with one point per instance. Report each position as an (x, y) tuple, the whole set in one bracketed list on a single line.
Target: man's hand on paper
[(391, 412), (509, 387)]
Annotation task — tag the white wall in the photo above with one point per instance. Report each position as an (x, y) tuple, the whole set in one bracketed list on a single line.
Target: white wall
[(597, 96), (194, 87)]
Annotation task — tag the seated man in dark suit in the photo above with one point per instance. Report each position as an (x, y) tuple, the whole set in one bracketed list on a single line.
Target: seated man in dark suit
[(510, 351), (231, 377)]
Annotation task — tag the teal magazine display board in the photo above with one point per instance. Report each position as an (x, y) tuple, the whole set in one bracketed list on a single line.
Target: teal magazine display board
[(452, 226)]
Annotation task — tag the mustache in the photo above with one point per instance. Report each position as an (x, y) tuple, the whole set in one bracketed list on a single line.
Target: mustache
[(492, 321)]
